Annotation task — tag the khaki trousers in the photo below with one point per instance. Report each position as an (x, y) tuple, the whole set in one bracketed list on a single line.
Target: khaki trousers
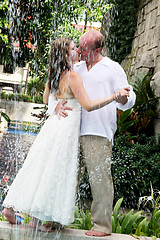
[(96, 152)]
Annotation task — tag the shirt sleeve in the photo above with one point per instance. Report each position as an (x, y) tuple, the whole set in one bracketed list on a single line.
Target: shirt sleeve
[(131, 101), (52, 103), (121, 81)]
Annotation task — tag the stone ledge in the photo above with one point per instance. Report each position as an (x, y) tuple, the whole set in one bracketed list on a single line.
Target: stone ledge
[(12, 232)]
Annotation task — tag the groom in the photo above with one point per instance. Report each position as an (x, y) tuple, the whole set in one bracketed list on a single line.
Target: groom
[(100, 76)]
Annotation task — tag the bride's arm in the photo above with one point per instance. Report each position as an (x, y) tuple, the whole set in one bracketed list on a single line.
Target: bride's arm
[(77, 87), (53, 104), (46, 93)]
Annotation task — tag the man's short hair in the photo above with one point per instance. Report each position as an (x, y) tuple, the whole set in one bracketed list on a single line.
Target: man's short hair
[(99, 43)]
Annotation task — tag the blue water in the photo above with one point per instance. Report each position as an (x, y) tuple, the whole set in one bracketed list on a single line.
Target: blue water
[(22, 132)]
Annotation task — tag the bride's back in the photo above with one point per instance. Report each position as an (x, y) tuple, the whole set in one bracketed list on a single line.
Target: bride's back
[(64, 90)]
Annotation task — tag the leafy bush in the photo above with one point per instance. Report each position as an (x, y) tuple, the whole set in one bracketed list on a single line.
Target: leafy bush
[(135, 163), (35, 87), (140, 119), (134, 166), (21, 97), (123, 25)]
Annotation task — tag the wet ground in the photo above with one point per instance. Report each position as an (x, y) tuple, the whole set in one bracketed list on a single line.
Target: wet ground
[(12, 232)]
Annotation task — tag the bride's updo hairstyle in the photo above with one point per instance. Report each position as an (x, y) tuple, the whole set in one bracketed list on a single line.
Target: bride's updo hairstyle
[(58, 61)]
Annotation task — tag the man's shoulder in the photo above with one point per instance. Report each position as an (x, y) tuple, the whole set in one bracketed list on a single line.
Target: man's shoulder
[(111, 64)]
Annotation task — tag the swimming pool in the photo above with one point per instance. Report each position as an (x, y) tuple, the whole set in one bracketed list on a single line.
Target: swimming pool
[(21, 132)]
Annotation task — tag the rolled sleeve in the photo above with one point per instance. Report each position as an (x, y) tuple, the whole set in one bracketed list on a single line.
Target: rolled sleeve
[(130, 103)]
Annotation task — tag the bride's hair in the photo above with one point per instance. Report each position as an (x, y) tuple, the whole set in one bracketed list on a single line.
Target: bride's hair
[(58, 61)]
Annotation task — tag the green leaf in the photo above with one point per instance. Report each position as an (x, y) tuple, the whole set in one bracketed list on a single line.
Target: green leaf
[(6, 117), (116, 210), (132, 222), (126, 125), (118, 229), (126, 220), (76, 212), (113, 225), (126, 114), (143, 225), (155, 220)]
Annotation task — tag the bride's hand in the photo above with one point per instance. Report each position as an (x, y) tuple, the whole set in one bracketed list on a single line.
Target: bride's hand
[(61, 109), (121, 96)]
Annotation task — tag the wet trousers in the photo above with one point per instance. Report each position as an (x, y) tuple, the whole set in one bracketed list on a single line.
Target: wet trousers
[(96, 153)]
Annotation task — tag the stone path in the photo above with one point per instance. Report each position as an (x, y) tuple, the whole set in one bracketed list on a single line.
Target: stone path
[(14, 232)]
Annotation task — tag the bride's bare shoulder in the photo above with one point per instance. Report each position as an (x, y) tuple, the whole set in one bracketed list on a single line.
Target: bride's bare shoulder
[(73, 75)]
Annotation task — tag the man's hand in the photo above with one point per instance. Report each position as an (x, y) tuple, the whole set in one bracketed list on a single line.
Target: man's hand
[(121, 96), (61, 109)]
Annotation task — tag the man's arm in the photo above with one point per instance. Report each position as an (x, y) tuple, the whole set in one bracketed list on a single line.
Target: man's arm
[(126, 102), (123, 102)]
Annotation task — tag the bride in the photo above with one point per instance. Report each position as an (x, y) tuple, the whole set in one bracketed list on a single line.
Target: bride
[(45, 186)]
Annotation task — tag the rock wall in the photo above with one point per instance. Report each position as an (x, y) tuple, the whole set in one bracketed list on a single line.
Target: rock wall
[(146, 45)]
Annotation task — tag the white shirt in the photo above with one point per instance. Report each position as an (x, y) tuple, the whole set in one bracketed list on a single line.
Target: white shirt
[(102, 80)]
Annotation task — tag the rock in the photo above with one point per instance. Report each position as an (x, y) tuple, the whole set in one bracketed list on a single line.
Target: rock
[(155, 83)]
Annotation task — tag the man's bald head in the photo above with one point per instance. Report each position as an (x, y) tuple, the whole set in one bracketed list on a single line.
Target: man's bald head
[(93, 39)]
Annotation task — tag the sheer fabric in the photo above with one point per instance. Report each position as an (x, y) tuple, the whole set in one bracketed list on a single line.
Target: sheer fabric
[(45, 186)]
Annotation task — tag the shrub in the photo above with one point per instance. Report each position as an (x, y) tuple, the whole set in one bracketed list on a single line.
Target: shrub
[(140, 119), (134, 166), (21, 97), (123, 25)]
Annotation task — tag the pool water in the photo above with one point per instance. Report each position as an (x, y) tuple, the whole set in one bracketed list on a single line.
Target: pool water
[(22, 132)]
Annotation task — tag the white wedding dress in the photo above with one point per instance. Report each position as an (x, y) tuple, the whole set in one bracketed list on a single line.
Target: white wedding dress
[(45, 187)]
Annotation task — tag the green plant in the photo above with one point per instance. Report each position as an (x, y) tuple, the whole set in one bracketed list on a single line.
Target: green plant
[(135, 224), (125, 223), (140, 118), (152, 201), (35, 87), (146, 103), (42, 116), (21, 97), (122, 28), (82, 220), (134, 165), (122, 124), (2, 218), (6, 117), (26, 218), (152, 227)]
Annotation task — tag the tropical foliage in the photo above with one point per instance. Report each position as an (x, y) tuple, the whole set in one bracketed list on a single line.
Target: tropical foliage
[(31, 26), (136, 223), (82, 220), (134, 165), (122, 28), (146, 103), (132, 222), (34, 24), (125, 223), (140, 118)]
